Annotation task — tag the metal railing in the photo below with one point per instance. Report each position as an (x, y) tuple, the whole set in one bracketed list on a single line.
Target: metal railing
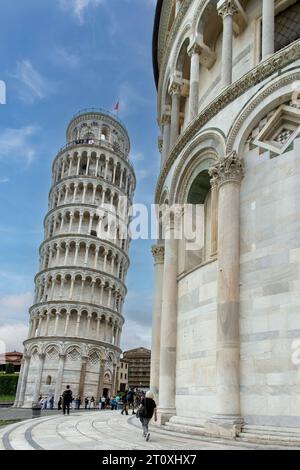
[(100, 111)]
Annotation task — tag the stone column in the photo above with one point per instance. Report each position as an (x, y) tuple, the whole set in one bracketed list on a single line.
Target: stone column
[(17, 399), (228, 174), (23, 378), (226, 9), (114, 381), (268, 28), (59, 377), (167, 367), (175, 91), (68, 314), (84, 360), (166, 122), (38, 382), (194, 53), (214, 219), (158, 252), (101, 378)]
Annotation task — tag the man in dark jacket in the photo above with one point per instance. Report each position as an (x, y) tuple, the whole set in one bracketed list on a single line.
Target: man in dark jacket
[(67, 400)]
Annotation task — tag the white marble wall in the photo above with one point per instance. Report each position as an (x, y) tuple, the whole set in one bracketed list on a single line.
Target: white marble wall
[(270, 288), (196, 343)]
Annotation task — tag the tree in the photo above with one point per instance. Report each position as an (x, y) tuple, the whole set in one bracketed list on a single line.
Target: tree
[(9, 369)]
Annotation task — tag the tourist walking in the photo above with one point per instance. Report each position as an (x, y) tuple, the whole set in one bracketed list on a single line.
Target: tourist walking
[(86, 403), (103, 403), (125, 405), (130, 399), (59, 403), (67, 400), (51, 403), (92, 403), (145, 413), (113, 403)]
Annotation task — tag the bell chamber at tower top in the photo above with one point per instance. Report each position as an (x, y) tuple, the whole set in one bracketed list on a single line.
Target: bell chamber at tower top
[(97, 127)]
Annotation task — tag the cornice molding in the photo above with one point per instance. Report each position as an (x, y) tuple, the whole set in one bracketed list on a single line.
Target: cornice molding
[(256, 75)]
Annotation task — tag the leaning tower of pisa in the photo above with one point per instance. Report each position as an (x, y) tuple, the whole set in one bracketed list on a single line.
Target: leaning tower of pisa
[(76, 320)]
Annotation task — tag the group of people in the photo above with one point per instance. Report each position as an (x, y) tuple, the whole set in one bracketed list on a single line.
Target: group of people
[(46, 402), (141, 404)]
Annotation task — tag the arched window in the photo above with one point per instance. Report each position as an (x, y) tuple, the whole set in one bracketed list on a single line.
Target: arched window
[(196, 247), (49, 380)]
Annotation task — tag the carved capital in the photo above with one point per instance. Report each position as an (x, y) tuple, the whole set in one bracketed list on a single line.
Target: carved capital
[(175, 88), (166, 119), (195, 48), (158, 252), (227, 169), (227, 7)]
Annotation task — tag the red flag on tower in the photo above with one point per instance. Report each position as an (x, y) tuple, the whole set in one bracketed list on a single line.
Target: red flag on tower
[(117, 107)]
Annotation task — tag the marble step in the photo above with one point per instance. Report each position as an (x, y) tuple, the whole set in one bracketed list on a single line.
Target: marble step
[(184, 428), (267, 436), (288, 431)]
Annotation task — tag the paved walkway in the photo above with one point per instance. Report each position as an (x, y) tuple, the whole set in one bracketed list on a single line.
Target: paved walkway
[(102, 430)]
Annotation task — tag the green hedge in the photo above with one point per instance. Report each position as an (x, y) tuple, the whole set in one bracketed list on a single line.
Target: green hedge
[(8, 384)]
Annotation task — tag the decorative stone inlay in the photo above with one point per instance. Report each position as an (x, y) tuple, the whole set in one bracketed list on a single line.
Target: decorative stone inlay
[(280, 131), (94, 359), (283, 136), (52, 354), (229, 168), (74, 355)]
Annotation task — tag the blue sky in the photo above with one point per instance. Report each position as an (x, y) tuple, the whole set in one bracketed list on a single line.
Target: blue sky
[(58, 57)]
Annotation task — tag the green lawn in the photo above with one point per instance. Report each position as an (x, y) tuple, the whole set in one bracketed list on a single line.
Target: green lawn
[(4, 422), (8, 398)]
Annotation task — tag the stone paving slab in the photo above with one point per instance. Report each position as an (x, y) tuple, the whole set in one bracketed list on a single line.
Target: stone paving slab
[(102, 430)]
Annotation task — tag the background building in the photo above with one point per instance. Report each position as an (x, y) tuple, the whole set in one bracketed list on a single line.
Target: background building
[(14, 358), (226, 315), (139, 361), (76, 320), (122, 376)]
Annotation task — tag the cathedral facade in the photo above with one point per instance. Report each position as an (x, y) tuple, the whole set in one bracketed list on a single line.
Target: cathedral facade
[(225, 349), (77, 317)]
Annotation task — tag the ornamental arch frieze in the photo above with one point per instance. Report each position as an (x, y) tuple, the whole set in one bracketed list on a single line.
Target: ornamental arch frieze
[(209, 144), (267, 99)]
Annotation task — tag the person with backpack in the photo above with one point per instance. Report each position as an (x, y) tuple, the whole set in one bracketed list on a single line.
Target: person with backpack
[(145, 413), (67, 400), (125, 403), (130, 399)]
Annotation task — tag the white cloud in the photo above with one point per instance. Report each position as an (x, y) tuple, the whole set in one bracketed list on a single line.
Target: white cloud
[(4, 179), (12, 337), (79, 7), (62, 56), (137, 156), (14, 315), (33, 84), (134, 335), (16, 144)]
